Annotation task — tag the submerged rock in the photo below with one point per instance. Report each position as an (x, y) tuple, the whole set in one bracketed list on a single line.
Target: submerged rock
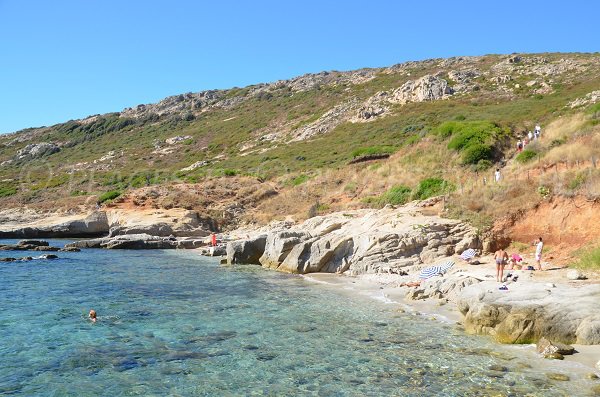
[(558, 376)]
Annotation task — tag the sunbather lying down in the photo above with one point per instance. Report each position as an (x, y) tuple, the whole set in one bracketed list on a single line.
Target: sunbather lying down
[(411, 284)]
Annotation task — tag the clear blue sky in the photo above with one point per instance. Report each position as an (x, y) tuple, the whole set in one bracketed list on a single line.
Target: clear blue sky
[(64, 60)]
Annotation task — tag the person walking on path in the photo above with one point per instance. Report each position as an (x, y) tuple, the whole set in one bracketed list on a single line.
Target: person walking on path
[(538, 253), (497, 175), (519, 146), (530, 136), (501, 257)]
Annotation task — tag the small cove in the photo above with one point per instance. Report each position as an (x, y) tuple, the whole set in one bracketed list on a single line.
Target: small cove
[(176, 323)]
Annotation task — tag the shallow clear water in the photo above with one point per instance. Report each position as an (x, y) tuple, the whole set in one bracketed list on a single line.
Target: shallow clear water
[(174, 323)]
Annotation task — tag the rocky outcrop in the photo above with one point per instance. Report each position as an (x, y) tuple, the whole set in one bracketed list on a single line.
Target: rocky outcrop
[(95, 224), (176, 222), (364, 241), (246, 251), (588, 99), (28, 245), (532, 311), (427, 88), (37, 150), (137, 241)]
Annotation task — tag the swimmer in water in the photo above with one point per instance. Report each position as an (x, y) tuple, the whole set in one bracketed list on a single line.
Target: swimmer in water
[(92, 315)]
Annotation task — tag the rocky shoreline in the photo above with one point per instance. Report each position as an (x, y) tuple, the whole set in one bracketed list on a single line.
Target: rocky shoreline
[(390, 246)]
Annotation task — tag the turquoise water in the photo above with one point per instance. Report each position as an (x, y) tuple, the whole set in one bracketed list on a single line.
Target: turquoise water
[(174, 323)]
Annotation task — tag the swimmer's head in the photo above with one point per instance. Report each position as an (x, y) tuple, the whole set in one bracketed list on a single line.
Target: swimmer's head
[(92, 314)]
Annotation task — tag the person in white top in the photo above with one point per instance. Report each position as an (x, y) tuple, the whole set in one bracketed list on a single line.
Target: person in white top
[(497, 175), (538, 253), (538, 129), (530, 136)]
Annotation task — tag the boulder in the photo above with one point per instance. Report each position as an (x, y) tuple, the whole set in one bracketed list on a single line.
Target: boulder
[(278, 245), (546, 347), (246, 251), (575, 274)]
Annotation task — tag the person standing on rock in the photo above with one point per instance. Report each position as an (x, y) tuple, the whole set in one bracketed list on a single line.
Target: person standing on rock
[(538, 253), (501, 257)]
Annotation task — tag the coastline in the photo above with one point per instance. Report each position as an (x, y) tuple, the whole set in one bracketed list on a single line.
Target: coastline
[(383, 288)]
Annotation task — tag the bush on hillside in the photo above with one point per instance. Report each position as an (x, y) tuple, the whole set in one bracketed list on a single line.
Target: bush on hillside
[(397, 195), (6, 191), (526, 156), (482, 165), (468, 133), (299, 180), (589, 258), (110, 195), (476, 153), (432, 187)]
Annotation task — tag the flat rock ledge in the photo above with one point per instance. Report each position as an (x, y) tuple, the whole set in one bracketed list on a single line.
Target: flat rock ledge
[(531, 311), (528, 312), (138, 241)]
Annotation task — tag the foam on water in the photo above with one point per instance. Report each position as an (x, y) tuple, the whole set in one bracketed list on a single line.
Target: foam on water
[(173, 323)]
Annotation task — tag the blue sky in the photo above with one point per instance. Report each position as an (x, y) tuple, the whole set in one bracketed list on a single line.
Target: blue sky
[(64, 60)]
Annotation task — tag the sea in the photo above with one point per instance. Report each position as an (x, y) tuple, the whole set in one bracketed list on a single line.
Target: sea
[(174, 323)]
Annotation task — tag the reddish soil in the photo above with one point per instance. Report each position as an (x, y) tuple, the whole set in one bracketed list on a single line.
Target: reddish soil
[(565, 224)]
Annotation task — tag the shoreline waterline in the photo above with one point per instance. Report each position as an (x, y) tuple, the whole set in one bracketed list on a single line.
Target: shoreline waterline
[(586, 355)]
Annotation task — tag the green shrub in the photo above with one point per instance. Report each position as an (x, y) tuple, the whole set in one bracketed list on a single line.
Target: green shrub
[(576, 182), (589, 258), (468, 133), (351, 187), (544, 191), (76, 193), (475, 153), (482, 165), (594, 110), (299, 180), (526, 156), (365, 151), (6, 191), (432, 187), (396, 195), (558, 142), (110, 195)]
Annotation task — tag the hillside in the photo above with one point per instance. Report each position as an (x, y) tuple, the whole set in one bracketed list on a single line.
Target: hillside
[(334, 141)]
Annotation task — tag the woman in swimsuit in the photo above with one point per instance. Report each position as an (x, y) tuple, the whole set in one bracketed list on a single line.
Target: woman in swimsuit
[(501, 257)]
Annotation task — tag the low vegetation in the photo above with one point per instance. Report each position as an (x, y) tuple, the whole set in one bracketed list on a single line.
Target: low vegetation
[(108, 196)]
